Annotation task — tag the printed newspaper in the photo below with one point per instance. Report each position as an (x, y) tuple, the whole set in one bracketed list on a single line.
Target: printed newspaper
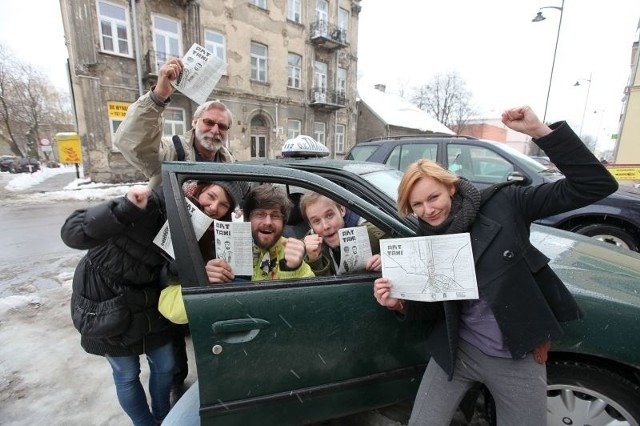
[(200, 74), (355, 249)]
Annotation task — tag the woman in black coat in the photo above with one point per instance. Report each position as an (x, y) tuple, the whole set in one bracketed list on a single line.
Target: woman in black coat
[(117, 284), (502, 338)]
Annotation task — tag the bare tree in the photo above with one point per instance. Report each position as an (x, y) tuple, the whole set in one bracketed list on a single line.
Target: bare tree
[(446, 98), (29, 104)]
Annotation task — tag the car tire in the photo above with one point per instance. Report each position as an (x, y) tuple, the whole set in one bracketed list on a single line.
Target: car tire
[(609, 234), (584, 394)]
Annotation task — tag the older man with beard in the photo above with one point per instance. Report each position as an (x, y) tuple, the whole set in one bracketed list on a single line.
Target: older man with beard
[(140, 139)]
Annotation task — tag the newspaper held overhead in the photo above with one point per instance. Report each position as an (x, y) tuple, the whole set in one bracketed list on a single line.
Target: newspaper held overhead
[(430, 269), (199, 220), (200, 73), (355, 249), (234, 244)]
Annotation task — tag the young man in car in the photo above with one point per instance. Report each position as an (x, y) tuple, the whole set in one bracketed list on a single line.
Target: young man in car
[(326, 218), (274, 257), (139, 137)]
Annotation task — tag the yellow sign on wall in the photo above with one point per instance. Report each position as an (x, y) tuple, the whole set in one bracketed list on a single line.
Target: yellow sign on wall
[(69, 149), (631, 172), (117, 109)]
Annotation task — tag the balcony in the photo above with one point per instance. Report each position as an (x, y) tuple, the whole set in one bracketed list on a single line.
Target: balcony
[(327, 100), (328, 36)]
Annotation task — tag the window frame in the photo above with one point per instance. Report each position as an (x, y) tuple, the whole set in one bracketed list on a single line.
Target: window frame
[(291, 131), (320, 132), (340, 138), (113, 21), (293, 69), (156, 32), (294, 11), (167, 120), (258, 62), (219, 50)]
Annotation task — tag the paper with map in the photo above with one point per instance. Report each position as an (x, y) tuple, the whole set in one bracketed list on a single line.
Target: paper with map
[(430, 269), (199, 220)]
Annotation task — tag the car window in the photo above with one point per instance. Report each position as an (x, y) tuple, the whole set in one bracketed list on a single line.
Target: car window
[(478, 164), (414, 152), (361, 152)]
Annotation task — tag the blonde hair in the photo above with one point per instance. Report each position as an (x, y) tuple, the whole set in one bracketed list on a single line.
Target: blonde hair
[(416, 171), (310, 198)]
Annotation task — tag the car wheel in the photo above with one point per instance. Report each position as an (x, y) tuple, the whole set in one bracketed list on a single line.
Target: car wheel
[(583, 394), (610, 234)]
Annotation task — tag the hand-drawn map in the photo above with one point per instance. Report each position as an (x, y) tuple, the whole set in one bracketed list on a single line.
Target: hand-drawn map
[(430, 269)]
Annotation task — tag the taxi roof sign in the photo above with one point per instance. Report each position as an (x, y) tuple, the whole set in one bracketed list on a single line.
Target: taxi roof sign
[(302, 147)]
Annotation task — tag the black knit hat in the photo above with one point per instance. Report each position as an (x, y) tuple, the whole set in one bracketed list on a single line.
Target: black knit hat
[(192, 189)]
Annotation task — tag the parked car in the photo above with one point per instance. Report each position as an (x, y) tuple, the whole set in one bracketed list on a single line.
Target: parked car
[(8, 163), (293, 352), (27, 165), (544, 160), (615, 219)]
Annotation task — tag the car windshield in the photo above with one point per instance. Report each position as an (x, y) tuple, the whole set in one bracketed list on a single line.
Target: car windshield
[(361, 153), (532, 163), (386, 180)]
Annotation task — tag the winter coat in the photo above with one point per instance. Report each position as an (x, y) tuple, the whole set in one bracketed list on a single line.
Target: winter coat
[(116, 285), (527, 298), (139, 139)]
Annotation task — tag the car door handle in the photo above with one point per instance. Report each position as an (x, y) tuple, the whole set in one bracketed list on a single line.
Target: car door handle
[(239, 330)]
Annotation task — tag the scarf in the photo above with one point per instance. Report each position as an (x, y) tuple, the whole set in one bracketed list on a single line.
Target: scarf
[(465, 204)]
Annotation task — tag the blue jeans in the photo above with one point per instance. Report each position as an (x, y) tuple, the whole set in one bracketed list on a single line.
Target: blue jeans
[(131, 395), (186, 412)]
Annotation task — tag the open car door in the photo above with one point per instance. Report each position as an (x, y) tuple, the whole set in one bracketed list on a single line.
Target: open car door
[(291, 351)]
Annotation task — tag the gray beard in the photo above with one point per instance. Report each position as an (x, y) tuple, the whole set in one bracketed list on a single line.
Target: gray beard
[(207, 142)]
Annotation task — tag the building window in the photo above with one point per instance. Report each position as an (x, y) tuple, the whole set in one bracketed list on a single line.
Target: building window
[(215, 43), (322, 17), (167, 39), (293, 128), (114, 29), (295, 71), (339, 139), (343, 24), (260, 3), (259, 62), (294, 10), (320, 82), (341, 84), (173, 122), (114, 123), (319, 133)]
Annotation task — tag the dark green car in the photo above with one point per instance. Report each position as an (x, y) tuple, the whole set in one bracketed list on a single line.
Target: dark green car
[(302, 351)]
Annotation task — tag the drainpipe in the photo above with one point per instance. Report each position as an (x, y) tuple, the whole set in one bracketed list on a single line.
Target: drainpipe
[(136, 41)]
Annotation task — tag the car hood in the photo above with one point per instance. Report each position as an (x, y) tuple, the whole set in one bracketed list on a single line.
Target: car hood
[(589, 266)]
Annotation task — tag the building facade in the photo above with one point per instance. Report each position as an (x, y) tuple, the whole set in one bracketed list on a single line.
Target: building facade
[(291, 70), (627, 149)]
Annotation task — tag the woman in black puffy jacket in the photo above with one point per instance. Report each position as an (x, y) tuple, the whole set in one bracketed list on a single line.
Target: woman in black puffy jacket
[(116, 288)]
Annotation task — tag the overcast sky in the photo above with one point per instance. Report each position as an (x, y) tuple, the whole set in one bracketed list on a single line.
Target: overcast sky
[(504, 58)]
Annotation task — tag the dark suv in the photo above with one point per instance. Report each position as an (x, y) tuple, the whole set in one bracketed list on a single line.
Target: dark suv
[(615, 219)]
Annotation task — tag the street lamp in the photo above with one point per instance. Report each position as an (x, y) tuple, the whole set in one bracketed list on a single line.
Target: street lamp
[(586, 99), (538, 18)]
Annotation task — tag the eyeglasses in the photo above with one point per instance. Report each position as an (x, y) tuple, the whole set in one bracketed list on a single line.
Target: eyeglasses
[(210, 123), (262, 215)]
